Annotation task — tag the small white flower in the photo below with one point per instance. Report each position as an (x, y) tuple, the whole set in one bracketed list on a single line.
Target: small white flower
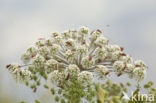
[(57, 76), (94, 35), (85, 77), (48, 42), (54, 49), (87, 62), (130, 67), (14, 67), (54, 75), (44, 51), (32, 51), (38, 62), (118, 66), (70, 56), (70, 43), (81, 49), (100, 53), (109, 48), (40, 42), (101, 41), (101, 70), (116, 48), (69, 53), (139, 74), (73, 70), (51, 65), (83, 30), (21, 74), (126, 59), (66, 34), (140, 63)]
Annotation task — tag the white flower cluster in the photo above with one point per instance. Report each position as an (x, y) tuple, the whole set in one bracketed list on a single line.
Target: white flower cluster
[(102, 71), (100, 53), (54, 49), (87, 62), (83, 30), (38, 62), (85, 77), (25, 72), (70, 56), (101, 41), (44, 51), (94, 35), (51, 65), (30, 53), (78, 53), (135, 69), (57, 76), (19, 73), (13, 67), (118, 66), (81, 50), (73, 70)]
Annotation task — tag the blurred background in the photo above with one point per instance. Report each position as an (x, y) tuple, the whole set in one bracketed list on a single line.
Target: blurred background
[(128, 23)]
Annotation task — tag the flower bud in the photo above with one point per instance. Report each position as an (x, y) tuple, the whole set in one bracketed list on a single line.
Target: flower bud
[(126, 59), (40, 42), (58, 40), (113, 48), (95, 34), (130, 67), (83, 30), (66, 35), (73, 34), (101, 41), (55, 34)]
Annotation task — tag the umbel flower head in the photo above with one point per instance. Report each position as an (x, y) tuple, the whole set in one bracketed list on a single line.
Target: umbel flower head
[(76, 54)]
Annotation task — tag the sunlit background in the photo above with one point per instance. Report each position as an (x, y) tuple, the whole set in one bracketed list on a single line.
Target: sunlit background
[(128, 23)]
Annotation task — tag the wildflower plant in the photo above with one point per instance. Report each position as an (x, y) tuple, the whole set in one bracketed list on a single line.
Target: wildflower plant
[(73, 62)]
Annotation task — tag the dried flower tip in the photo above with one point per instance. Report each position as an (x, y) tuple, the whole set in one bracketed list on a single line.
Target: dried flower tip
[(7, 66)]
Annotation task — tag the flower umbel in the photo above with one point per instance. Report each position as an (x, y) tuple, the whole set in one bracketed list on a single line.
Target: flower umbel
[(75, 58), (76, 51)]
